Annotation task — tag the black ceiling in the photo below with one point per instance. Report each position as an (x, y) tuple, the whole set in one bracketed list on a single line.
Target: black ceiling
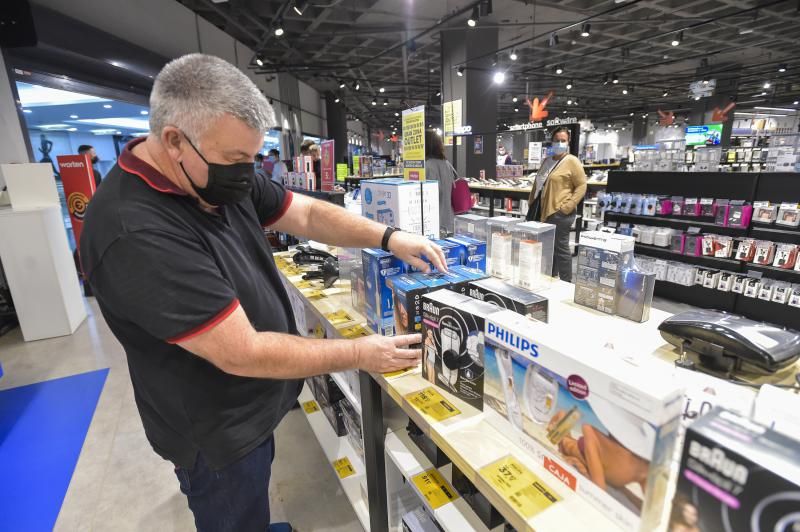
[(394, 44)]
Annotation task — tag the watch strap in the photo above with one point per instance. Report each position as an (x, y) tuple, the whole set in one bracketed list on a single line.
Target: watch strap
[(386, 236)]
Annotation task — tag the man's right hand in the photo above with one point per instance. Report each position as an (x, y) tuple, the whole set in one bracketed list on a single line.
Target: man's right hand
[(381, 354)]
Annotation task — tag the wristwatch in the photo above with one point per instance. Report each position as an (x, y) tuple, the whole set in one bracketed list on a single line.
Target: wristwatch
[(386, 236)]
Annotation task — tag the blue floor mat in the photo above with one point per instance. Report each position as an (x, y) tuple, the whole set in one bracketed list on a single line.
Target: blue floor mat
[(42, 429)]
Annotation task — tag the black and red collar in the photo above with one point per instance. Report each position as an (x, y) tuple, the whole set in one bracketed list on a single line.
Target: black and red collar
[(155, 179)]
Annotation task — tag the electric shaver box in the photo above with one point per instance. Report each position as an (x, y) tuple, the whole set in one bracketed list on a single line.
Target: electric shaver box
[(378, 266), (508, 296), (603, 424), (602, 257), (452, 337), (736, 475)]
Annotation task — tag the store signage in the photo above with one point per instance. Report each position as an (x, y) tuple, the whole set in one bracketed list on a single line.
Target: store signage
[(541, 125), (326, 165), (721, 115), (451, 113), (666, 118), (310, 407), (703, 88), (341, 171), (356, 163), (343, 467), (463, 130), (539, 108), (414, 144), (77, 177)]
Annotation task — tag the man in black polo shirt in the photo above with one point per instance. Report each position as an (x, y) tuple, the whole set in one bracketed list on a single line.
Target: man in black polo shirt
[(174, 250)]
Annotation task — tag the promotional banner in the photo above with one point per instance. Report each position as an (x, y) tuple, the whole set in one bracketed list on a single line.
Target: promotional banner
[(356, 165), (78, 179), (414, 144), (341, 171), (452, 121), (326, 165)]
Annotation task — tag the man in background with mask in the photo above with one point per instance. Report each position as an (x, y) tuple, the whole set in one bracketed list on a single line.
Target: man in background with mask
[(279, 169), (560, 185), (174, 249), (86, 148)]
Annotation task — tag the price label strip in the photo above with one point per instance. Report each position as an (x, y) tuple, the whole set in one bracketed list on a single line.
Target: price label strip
[(338, 318), (523, 490), (343, 467), (393, 374), (310, 407), (432, 404), (436, 490), (355, 331), (319, 331)]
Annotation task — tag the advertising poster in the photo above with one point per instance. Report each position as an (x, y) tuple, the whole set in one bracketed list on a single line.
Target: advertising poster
[(326, 166), (78, 179), (414, 144), (341, 171), (535, 153), (356, 165), (478, 144), (709, 135), (451, 112)]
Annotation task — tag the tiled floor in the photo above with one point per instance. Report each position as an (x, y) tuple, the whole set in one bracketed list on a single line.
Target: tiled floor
[(120, 484)]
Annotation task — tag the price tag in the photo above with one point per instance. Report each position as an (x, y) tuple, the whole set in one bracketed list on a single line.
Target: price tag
[(398, 373), (319, 331), (355, 331), (434, 488), (343, 467), (339, 317), (300, 285), (523, 490), (313, 294), (310, 407), (432, 404)]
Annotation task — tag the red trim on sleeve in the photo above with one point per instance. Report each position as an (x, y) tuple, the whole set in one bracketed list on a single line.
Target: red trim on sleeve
[(207, 326), (287, 201)]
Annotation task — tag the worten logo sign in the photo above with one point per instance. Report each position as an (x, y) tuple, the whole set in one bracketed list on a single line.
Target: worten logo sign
[(539, 108), (540, 125)]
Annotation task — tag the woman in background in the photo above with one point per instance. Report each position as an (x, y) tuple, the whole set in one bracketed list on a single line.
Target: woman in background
[(438, 168)]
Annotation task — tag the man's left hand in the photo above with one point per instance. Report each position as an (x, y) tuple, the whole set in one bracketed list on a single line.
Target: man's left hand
[(411, 248)]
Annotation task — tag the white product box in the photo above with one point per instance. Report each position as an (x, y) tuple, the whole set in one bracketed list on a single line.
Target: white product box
[(499, 246), (603, 424), (408, 205), (532, 253), (471, 225)]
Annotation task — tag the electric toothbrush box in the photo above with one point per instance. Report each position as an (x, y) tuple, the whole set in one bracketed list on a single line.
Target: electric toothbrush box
[(412, 206), (466, 275), (603, 424), (378, 266), (736, 474), (407, 291), (508, 296), (452, 337), (474, 251)]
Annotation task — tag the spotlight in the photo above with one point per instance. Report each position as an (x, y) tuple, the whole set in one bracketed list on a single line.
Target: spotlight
[(796, 102), (356, 85), (696, 98), (666, 93), (569, 85), (473, 19), (386, 101), (569, 102), (374, 101), (705, 82), (513, 55), (553, 41), (677, 39), (279, 28), (336, 100), (499, 77), (73, 116), (514, 99), (614, 79), (516, 109), (460, 71), (782, 67), (396, 113), (259, 60), (586, 30), (605, 79), (560, 69), (382, 90), (300, 6), (438, 93), (767, 85), (341, 84), (625, 90), (631, 114)]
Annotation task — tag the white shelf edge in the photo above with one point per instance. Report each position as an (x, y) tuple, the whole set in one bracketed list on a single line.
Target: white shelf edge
[(348, 393), (335, 447), (456, 516)]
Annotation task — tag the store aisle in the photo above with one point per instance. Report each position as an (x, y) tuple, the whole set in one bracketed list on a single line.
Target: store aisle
[(120, 484)]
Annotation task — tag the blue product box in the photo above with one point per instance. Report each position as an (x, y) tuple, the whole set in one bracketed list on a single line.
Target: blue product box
[(473, 274), (474, 251), (454, 252), (378, 266), (407, 300)]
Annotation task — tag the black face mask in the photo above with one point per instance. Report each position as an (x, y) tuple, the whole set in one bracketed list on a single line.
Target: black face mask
[(95, 159), (228, 184)]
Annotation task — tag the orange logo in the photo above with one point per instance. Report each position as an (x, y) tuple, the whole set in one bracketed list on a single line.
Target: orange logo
[(666, 119), (721, 115), (539, 108), (560, 473), (76, 204)]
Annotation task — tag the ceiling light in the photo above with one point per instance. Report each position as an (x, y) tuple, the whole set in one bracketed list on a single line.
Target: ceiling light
[(763, 93), (259, 60), (782, 67), (625, 90), (696, 98), (356, 85), (614, 79), (516, 109), (775, 108), (396, 113), (107, 106), (514, 99), (73, 116), (386, 101), (586, 30), (623, 129), (569, 102), (72, 129), (553, 41), (124, 122), (341, 84), (666, 93), (27, 111), (677, 39), (438, 93), (382, 89), (499, 77), (705, 82), (374, 101), (473, 18), (631, 114), (605, 79), (796, 102), (460, 71), (569, 85), (142, 112), (279, 28), (575, 101), (559, 69), (564, 111), (336, 100), (745, 31), (767, 85), (300, 6)]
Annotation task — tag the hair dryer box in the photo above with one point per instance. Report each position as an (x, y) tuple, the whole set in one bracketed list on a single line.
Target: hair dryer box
[(452, 335), (603, 424), (736, 475)]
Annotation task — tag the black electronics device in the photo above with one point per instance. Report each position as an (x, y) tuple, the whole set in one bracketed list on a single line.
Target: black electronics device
[(308, 255), (728, 342)]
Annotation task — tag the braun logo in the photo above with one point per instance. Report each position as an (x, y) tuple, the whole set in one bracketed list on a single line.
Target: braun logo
[(72, 164), (430, 307), (475, 294), (510, 339), (716, 459)]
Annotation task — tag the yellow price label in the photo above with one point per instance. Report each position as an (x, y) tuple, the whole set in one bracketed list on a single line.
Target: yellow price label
[(355, 331), (319, 331), (300, 285), (310, 407), (343, 467), (523, 490), (434, 488), (338, 318), (313, 294), (431, 403), (393, 374)]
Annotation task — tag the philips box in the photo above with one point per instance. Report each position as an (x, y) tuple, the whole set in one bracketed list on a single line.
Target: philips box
[(736, 475), (474, 251), (378, 266), (507, 296), (603, 424), (452, 333), (464, 275), (412, 206)]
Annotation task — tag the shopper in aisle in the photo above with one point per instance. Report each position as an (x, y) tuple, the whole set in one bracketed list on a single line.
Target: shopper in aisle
[(89, 149), (259, 166), (278, 167), (173, 247), (438, 168), (559, 186), (316, 158)]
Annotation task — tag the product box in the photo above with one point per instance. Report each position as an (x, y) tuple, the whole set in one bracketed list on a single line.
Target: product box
[(532, 253), (601, 259), (324, 389), (736, 475), (476, 500), (739, 214), (603, 424), (789, 214), (378, 266), (471, 225), (498, 246), (454, 253), (460, 277), (471, 251), (507, 296), (407, 291), (408, 205), (635, 297), (452, 332), (335, 417)]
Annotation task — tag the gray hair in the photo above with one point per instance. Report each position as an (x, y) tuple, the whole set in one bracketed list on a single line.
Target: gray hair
[(193, 90)]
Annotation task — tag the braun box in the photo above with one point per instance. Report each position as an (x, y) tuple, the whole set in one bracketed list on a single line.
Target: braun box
[(452, 335), (602, 257), (507, 296), (532, 253), (603, 424), (471, 225), (736, 475), (378, 266), (412, 206)]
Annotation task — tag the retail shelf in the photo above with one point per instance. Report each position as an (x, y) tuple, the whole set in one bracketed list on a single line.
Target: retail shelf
[(773, 272), (692, 259), (340, 381), (674, 221), (789, 235), (456, 516), (480, 208), (336, 447)]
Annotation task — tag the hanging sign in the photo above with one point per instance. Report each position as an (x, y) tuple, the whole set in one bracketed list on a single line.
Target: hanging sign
[(451, 112), (79, 187), (414, 144), (539, 108), (666, 118), (541, 125), (703, 88), (721, 115), (326, 164)]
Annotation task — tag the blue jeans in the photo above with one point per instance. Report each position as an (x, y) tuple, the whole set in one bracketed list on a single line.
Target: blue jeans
[(235, 498)]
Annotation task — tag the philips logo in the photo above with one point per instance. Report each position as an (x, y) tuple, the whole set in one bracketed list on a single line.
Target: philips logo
[(509, 339), (718, 460), (430, 308)]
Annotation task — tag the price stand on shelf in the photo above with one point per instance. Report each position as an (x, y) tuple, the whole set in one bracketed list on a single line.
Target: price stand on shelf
[(399, 373), (432, 404), (436, 490), (310, 407), (523, 490), (343, 467), (355, 331)]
